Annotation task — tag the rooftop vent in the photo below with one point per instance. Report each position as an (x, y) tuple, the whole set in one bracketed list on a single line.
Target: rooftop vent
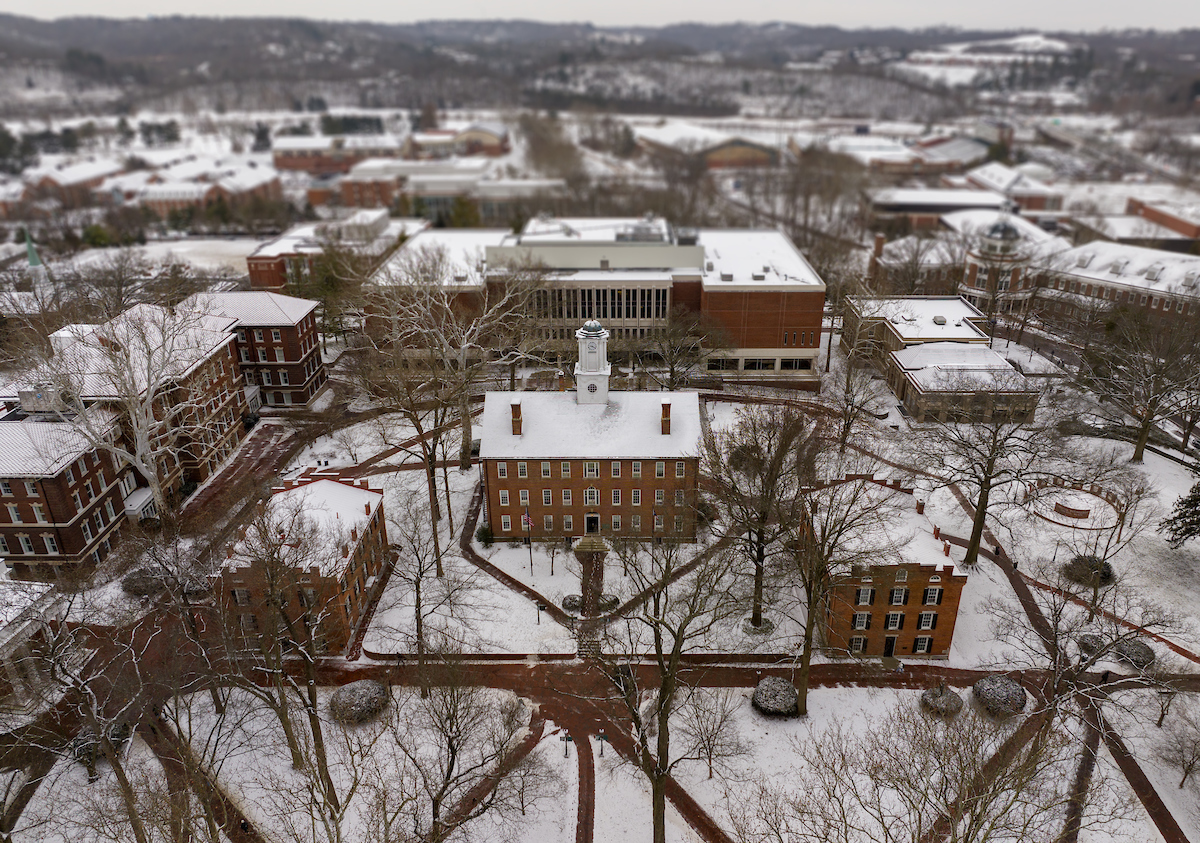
[(708, 267), (687, 236), (1189, 280), (1117, 266), (1083, 260), (758, 276), (939, 320), (726, 276)]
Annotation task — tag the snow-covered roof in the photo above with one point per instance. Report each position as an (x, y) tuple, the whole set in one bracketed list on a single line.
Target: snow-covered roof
[(554, 426), (956, 366), (760, 258), (12, 191), (1134, 266), (387, 168), (33, 447), (255, 308), (507, 188), (81, 172), (301, 143), (1007, 180), (922, 318), (934, 198), (184, 191), (312, 238), (1128, 227), (17, 598), (596, 230), (245, 179), (334, 509), (955, 150), (488, 127), (465, 251), (687, 137), (1113, 197), (869, 149)]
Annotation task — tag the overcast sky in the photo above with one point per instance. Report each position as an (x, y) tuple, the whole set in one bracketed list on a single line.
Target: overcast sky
[(990, 14)]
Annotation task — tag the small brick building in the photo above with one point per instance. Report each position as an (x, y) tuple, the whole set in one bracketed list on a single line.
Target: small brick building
[(590, 462), (903, 610), (330, 576)]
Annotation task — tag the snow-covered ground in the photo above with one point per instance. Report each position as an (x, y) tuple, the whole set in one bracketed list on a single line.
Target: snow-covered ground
[(623, 804)]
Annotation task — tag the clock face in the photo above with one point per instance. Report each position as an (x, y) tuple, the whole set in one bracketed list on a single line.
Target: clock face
[(591, 346)]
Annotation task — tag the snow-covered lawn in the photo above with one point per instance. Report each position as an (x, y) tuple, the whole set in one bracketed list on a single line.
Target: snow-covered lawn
[(623, 810), (358, 443)]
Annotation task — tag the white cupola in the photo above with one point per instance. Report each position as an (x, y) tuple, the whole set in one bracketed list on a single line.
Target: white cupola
[(593, 369)]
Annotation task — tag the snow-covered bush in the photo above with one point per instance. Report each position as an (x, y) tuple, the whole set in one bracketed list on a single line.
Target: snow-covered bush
[(941, 701), (1089, 643), (1001, 696), (1137, 653), (573, 602), (776, 697), (358, 702), (1089, 570), (143, 582)]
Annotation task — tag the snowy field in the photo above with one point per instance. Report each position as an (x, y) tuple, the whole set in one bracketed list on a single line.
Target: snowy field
[(623, 810)]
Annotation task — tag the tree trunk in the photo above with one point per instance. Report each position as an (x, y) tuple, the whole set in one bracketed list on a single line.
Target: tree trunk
[(978, 526), (446, 484), (1188, 427), (126, 788), (658, 791), (419, 623), (464, 416), (318, 734), (1139, 448), (810, 626), (760, 554)]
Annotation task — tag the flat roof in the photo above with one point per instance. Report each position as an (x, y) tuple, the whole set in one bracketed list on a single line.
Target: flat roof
[(758, 258), (913, 317), (957, 366), (945, 197), (555, 426), (1127, 227)]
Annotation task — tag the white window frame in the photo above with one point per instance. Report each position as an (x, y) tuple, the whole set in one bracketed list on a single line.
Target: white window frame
[(616, 497), (504, 497), (660, 468), (635, 523), (636, 500), (616, 523), (568, 523), (506, 523), (616, 468), (565, 469), (545, 469), (925, 620), (922, 645), (547, 497), (591, 469), (548, 523), (523, 497), (566, 497), (858, 643), (522, 469), (861, 620), (636, 469), (893, 621), (502, 470), (680, 468)]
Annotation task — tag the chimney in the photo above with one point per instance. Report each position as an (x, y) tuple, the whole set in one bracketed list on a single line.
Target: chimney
[(516, 416), (353, 534), (880, 241), (367, 508), (666, 418)]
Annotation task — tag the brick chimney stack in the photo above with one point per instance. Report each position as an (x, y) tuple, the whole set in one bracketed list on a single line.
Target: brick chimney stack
[(666, 418), (516, 416)]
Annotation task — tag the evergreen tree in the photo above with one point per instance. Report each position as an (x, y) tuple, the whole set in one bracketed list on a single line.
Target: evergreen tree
[(1184, 522)]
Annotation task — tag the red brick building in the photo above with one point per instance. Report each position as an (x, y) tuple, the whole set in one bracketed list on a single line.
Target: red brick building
[(591, 462), (330, 552), (62, 503), (325, 155), (904, 610), (631, 273), (278, 347)]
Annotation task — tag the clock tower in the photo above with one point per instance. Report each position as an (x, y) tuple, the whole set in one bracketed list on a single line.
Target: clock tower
[(593, 369)]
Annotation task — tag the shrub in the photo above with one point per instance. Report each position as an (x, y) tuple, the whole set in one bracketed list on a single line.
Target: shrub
[(484, 535), (941, 701), (1089, 570), (358, 702), (776, 697), (1000, 695)]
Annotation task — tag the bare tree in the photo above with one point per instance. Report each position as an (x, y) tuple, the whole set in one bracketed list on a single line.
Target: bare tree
[(680, 613), (1181, 745), (673, 355), (139, 387), (757, 468), (1148, 367), (709, 726), (935, 777)]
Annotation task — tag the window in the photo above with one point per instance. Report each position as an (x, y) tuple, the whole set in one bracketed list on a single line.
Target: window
[(758, 364), (680, 468), (522, 469), (547, 523), (241, 334), (284, 380), (262, 355), (616, 497), (591, 469), (70, 475), (566, 497), (108, 507), (524, 497), (933, 597), (506, 523), (616, 523), (793, 364), (894, 620), (616, 469), (6, 489), (4, 546), (679, 497), (658, 523), (258, 335), (637, 497), (307, 597), (902, 575), (504, 497), (636, 470), (51, 544), (568, 523), (922, 644), (591, 496), (39, 513), (679, 523), (660, 497), (899, 597), (14, 514), (91, 491), (566, 469), (244, 355), (635, 523), (275, 336), (545, 468), (864, 596), (660, 469), (502, 469), (547, 497), (266, 378), (862, 620), (927, 620), (31, 488), (249, 623), (858, 643)]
